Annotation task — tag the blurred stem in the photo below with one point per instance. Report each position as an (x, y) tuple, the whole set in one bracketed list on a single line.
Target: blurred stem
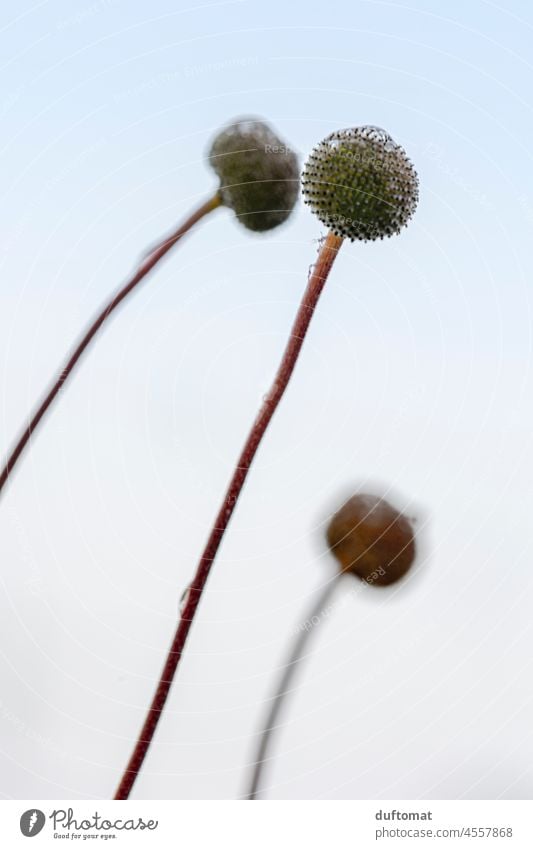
[(149, 262), (326, 257), (298, 652)]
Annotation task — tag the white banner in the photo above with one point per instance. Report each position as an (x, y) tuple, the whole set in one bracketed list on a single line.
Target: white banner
[(268, 825)]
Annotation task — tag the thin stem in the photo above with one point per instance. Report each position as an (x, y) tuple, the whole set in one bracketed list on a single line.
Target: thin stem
[(150, 261), (297, 653), (326, 257)]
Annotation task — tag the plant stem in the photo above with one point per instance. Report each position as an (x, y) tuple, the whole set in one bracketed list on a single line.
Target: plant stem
[(283, 689), (150, 261), (326, 257)]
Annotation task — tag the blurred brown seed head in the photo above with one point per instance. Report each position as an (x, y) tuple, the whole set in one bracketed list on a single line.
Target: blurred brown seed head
[(372, 540)]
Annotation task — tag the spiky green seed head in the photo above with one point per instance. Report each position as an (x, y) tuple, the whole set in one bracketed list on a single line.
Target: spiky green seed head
[(370, 539), (360, 184), (258, 172)]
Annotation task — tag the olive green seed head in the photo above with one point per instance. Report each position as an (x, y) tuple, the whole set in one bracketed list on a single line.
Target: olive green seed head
[(258, 172), (360, 184), (370, 539)]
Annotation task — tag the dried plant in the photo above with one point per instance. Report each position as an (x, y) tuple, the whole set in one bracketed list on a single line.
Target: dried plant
[(359, 183), (370, 540), (258, 180)]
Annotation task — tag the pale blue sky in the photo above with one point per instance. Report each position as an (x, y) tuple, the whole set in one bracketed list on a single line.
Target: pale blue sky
[(416, 374)]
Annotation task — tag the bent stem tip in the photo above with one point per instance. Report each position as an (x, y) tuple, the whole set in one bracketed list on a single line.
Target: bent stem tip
[(150, 261)]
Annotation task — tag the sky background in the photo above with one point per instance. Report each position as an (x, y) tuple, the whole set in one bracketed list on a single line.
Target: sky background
[(415, 378)]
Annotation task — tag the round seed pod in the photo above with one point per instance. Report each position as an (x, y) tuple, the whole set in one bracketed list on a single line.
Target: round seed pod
[(258, 172), (360, 184), (372, 540)]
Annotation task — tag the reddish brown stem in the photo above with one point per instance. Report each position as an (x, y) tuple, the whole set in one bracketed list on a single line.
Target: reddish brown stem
[(317, 279), (146, 266)]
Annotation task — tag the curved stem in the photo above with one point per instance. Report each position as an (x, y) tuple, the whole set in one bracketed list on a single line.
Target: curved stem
[(146, 266), (297, 653), (328, 252)]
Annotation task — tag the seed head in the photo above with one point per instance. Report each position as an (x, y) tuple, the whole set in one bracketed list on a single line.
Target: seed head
[(360, 184), (372, 540), (259, 175)]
